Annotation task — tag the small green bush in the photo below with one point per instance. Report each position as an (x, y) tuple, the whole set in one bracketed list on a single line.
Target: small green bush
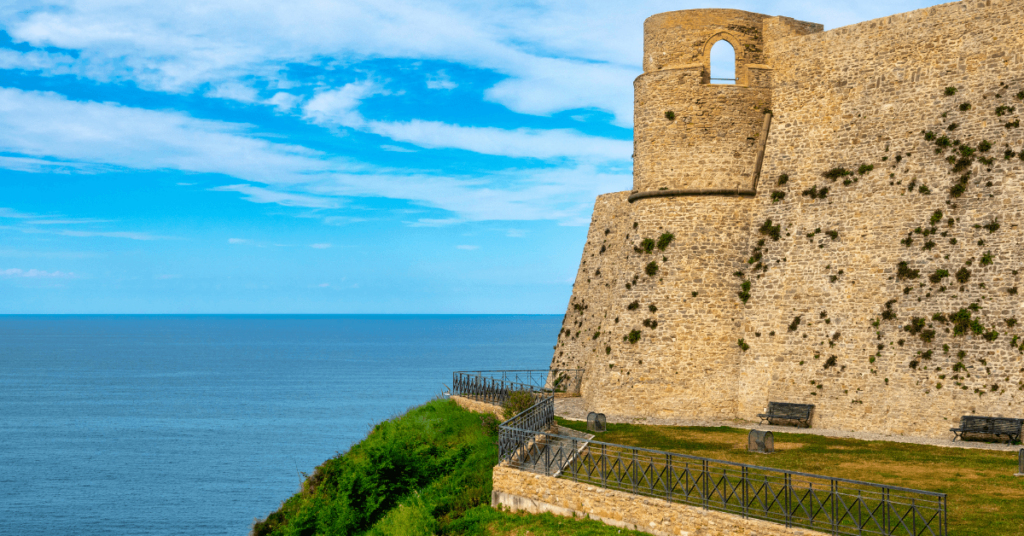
[(651, 268), (773, 231), (938, 275), (903, 271), (664, 240), (633, 305), (516, 403), (950, 91), (633, 336), (670, 115), (783, 179)]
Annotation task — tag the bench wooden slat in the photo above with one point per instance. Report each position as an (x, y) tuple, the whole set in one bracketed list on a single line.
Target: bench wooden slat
[(788, 411), (997, 426)]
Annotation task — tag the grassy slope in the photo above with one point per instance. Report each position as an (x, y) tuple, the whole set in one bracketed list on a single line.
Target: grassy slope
[(985, 499), (425, 472)]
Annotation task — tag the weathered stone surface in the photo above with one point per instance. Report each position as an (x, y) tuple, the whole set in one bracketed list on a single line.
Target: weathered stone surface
[(479, 407), (529, 492), (862, 94)]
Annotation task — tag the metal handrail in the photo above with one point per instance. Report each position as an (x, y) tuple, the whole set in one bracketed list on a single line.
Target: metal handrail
[(833, 505), (496, 385)]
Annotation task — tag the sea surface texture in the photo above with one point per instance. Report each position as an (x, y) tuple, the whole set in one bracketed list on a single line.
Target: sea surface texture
[(141, 425)]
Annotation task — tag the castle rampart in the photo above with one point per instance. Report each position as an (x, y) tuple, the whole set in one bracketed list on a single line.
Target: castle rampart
[(876, 346)]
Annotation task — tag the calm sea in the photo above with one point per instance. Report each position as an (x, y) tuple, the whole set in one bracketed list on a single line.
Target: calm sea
[(143, 425)]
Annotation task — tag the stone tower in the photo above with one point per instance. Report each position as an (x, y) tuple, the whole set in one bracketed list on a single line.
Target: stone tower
[(698, 148)]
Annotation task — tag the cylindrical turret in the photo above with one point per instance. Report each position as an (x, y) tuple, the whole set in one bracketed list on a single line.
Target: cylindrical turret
[(690, 135)]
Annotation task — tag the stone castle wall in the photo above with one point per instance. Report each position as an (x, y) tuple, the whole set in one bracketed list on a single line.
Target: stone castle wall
[(866, 95)]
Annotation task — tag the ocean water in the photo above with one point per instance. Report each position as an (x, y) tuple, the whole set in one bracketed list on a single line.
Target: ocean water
[(159, 425)]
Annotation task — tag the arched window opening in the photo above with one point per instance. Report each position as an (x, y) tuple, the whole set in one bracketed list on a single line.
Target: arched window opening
[(723, 63)]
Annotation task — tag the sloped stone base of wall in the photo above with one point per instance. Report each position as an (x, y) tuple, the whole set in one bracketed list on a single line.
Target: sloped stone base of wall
[(479, 407), (529, 492)]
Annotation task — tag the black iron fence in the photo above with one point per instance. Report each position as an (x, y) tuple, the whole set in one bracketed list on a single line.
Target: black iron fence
[(832, 505), (495, 385)]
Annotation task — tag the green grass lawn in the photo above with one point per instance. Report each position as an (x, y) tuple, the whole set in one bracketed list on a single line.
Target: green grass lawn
[(984, 498)]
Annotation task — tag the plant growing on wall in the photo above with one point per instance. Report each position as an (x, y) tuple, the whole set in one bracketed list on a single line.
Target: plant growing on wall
[(794, 324), (664, 240), (745, 291), (783, 179), (950, 91), (633, 336), (651, 268), (772, 231), (670, 115)]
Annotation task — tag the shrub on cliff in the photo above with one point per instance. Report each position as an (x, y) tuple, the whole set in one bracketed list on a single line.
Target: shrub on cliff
[(433, 461), (517, 402)]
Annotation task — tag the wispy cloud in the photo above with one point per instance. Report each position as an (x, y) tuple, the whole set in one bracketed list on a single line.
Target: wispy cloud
[(238, 241), (397, 149), (114, 234), (263, 195), (66, 221), (11, 213), (131, 235), (341, 107), (47, 124), (33, 273), (467, 248), (515, 233), (320, 246), (441, 80)]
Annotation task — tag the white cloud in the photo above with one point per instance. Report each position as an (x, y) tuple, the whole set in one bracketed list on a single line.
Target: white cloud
[(284, 102), (397, 149), (320, 246), (66, 221), (339, 106), (263, 195), (343, 220), (518, 143), (238, 241), (324, 285), (185, 183), (441, 80), (467, 248), (47, 125), (515, 233), (18, 272), (11, 213), (36, 60), (233, 91), (113, 234)]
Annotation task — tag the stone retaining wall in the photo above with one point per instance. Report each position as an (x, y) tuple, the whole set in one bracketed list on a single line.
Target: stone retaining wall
[(479, 407), (528, 492)]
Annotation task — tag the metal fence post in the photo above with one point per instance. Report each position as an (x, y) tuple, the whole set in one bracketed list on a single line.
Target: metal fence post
[(668, 477), (745, 494)]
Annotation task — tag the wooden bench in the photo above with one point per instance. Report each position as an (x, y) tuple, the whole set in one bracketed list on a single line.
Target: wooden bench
[(785, 411), (997, 426)]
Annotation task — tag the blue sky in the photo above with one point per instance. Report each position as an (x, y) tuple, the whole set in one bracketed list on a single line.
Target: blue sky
[(316, 157)]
